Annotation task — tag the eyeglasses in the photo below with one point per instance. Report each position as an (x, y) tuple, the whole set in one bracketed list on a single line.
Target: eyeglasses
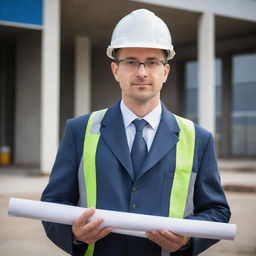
[(134, 64)]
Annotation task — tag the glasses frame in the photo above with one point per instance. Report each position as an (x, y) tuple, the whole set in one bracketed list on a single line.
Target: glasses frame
[(164, 62)]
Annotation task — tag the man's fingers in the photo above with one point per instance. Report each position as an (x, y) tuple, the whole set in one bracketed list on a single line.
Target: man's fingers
[(90, 226), (89, 232), (96, 235), (154, 236), (170, 235), (89, 238), (167, 240), (83, 219), (104, 232), (159, 235), (178, 239)]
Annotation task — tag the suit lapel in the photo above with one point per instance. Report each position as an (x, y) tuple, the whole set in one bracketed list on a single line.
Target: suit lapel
[(165, 139), (113, 133)]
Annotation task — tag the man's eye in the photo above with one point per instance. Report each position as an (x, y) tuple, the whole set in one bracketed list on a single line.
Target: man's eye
[(131, 63), (152, 63)]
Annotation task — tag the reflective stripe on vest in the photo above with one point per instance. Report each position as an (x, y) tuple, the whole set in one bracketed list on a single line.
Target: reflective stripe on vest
[(184, 163), (91, 140)]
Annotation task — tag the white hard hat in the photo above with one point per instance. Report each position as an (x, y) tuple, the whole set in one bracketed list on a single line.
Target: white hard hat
[(141, 28)]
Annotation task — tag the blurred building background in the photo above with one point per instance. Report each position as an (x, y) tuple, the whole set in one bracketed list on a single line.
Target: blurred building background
[(53, 66)]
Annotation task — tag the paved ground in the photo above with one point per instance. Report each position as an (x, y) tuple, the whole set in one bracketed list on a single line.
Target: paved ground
[(26, 237)]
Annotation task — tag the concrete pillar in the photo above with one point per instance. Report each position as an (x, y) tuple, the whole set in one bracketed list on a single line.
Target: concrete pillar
[(206, 77), (50, 84), (27, 103), (226, 106), (82, 101)]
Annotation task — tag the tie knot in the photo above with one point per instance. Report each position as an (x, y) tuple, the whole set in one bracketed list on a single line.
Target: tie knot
[(140, 124)]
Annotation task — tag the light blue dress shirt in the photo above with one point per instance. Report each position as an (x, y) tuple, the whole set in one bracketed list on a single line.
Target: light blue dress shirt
[(153, 118)]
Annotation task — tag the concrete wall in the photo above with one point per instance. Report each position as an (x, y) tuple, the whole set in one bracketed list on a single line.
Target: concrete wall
[(28, 80), (105, 90), (7, 78), (66, 86)]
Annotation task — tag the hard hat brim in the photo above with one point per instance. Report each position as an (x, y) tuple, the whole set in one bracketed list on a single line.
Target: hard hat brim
[(110, 50)]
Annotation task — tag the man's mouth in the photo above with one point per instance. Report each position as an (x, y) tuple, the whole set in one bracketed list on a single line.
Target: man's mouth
[(142, 84)]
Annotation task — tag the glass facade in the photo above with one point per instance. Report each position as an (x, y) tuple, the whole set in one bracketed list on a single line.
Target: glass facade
[(244, 105), (191, 78), (243, 122)]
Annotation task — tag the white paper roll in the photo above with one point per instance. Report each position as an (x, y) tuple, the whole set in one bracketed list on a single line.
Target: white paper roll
[(121, 222)]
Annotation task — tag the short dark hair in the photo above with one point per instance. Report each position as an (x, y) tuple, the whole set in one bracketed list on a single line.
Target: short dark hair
[(115, 53), (166, 54)]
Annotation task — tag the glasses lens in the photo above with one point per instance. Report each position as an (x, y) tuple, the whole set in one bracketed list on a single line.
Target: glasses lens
[(153, 64), (133, 64), (130, 64)]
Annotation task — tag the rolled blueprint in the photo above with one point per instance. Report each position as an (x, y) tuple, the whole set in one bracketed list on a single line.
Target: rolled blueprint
[(121, 222)]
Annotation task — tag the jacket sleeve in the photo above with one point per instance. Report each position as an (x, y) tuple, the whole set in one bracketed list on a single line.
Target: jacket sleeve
[(210, 203), (63, 188)]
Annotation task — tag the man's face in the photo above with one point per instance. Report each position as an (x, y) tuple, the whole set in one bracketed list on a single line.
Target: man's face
[(142, 84)]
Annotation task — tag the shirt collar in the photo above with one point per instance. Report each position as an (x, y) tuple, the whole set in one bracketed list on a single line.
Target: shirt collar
[(153, 117)]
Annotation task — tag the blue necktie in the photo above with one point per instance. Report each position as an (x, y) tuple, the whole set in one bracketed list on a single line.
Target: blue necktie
[(139, 148)]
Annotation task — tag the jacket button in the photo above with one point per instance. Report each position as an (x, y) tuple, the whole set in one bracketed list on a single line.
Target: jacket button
[(133, 206), (134, 189)]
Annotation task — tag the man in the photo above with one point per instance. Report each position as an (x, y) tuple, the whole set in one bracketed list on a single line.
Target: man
[(136, 156)]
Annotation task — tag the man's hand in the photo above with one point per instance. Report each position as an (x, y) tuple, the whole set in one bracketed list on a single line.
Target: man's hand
[(167, 240), (89, 232)]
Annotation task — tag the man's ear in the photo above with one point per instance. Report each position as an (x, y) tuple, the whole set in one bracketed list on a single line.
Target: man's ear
[(167, 69), (114, 68)]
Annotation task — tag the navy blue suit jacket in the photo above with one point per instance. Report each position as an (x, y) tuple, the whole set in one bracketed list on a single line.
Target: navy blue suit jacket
[(115, 181)]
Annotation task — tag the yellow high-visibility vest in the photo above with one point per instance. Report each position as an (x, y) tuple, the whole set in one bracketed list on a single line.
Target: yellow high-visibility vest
[(184, 163)]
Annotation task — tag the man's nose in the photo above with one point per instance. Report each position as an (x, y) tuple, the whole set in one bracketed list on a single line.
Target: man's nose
[(142, 70)]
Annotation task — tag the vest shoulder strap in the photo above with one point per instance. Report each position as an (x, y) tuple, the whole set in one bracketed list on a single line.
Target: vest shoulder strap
[(91, 140), (184, 163)]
